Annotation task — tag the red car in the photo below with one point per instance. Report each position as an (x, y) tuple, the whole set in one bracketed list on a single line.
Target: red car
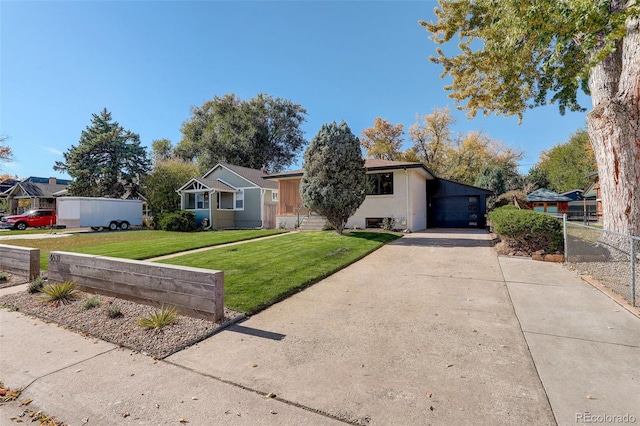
[(33, 218)]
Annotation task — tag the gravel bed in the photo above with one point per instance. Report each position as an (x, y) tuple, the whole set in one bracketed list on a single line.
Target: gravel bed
[(123, 330), (615, 275)]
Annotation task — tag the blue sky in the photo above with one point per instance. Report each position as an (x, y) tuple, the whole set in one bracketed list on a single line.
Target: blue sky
[(148, 62)]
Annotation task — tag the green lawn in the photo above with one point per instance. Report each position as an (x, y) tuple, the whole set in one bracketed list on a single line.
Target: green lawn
[(142, 244), (261, 273)]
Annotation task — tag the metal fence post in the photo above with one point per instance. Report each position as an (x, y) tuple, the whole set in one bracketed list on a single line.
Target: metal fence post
[(633, 272), (566, 240)]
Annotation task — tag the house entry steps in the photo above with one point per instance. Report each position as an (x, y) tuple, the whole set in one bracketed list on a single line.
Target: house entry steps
[(313, 223)]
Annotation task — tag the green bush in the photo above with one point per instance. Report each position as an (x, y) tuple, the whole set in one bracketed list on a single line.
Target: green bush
[(91, 302), (179, 221), (36, 284), (4, 276), (527, 230)]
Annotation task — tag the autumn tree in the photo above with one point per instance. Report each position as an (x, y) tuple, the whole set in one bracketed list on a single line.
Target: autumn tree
[(384, 140), (458, 157), (567, 165), (261, 132), (5, 151), (515, 55), (334, 179), (432, 138), (107, 162)]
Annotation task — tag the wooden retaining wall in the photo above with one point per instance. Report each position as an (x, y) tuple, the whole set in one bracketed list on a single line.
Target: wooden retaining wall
[(22, 261), (193, 291)]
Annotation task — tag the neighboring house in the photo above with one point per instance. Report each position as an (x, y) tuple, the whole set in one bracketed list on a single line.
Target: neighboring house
[(580, 207), (406, 192), (34, 193), (547, 201), (592, 194), (229, 196)]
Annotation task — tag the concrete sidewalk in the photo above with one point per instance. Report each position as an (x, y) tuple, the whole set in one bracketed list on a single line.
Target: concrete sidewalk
[(434, 328), (585, 346)]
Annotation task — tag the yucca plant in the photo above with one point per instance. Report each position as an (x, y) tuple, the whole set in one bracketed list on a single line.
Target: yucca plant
[(36, 284), (159, 318), (60, 292), (91, 302)]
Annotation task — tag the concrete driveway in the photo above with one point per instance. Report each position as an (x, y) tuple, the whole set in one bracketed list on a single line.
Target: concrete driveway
[(420, 332)]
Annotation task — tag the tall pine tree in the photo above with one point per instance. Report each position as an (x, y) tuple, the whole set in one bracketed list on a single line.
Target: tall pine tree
[(107, 162)]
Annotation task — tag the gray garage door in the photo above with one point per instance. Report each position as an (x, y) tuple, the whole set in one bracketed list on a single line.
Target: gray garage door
[(456, 212)]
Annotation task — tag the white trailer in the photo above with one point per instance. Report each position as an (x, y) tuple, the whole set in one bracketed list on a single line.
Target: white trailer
[(106, 213)]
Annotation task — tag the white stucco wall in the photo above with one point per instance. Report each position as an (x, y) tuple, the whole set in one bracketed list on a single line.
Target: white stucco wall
[(395, 205)]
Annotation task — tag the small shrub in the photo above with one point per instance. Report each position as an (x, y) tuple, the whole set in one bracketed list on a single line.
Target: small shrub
[(3, 276), (180, 221), (60, 292), (159, 318), (35, 285), (527, 230), (91, 302), (113, 311)]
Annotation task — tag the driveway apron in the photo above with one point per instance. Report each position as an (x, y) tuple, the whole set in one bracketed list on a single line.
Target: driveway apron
[(422, 331)]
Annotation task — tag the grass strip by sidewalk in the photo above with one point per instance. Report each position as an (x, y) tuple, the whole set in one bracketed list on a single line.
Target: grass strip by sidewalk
[(137, 245), (261, 273)]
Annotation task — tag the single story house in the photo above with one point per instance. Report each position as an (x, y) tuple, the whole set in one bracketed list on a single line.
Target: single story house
[(547, 201), (35, 193), (229, 196), (406, 192)]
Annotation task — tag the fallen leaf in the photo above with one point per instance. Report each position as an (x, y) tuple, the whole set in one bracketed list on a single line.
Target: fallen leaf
[(194, 398), (591, 397), (273, 412), (183, 421), (27, 401), (270, 395), (125, 415), (431, 408), (157, 406), (449, 365), (428, 394)]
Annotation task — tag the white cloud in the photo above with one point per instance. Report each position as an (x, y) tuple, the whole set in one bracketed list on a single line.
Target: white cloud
[(51, 150)]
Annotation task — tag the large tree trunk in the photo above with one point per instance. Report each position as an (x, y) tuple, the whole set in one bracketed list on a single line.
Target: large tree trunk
[(614, 130)]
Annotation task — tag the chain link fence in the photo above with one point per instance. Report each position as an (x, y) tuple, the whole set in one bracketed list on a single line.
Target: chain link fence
[(609, 257)]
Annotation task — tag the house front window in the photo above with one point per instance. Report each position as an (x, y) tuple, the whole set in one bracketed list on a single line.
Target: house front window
[(231, 200), (380, 184), (202, 201), (197, 201), (239, 200)]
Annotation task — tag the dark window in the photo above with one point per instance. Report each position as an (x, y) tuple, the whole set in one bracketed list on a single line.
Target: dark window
[(380, 184), (374, 222)]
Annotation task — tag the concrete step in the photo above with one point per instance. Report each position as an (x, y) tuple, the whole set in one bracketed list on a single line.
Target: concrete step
[(313, 223)]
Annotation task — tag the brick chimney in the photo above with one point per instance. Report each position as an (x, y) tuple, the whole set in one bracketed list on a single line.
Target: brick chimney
[(53, 181)]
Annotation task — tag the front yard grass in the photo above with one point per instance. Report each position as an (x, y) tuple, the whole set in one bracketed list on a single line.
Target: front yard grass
[(136, 245), (261, 273)]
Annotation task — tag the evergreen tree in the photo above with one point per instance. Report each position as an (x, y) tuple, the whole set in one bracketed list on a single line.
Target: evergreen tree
[(107, 162), (334, 180), (493, 179)]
